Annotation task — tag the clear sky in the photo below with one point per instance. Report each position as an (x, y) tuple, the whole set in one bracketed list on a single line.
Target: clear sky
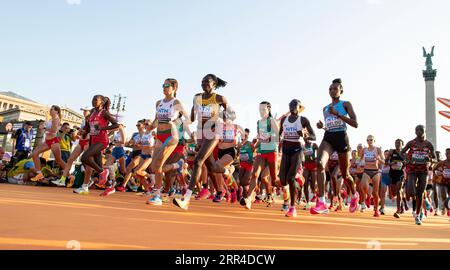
[(65, 51)]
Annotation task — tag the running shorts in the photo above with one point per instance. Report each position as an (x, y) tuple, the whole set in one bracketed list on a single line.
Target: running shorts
[(338, 141)]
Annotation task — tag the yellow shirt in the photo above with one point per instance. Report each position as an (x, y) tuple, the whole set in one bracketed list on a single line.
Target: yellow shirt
[(65, 143)]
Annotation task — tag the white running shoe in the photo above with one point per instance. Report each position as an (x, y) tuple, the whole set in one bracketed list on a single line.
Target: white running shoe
[(59, 183)]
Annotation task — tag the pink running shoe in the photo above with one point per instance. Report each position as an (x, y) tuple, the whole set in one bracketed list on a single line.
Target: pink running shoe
[(321, 208), (292, 212), (103, 177), (211, 197), (376, 214), (121, 188), (314, 199), (354, 203), (108, 191), (204, 193)]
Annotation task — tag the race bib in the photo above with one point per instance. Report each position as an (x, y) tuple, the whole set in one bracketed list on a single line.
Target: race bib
[(447, 173), (228, 135), (93, 130), (369, 157), (397, 166), (333, 122), (206, 111), (419, 157), (27, 143), (244, 157)]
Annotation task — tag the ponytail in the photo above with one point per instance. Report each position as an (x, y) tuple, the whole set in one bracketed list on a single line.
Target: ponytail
[(219, 82)]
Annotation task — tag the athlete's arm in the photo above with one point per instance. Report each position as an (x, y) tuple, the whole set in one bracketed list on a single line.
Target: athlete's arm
[(351, 113), (305, 123), (222, 101), (433, 156), (111, 119)]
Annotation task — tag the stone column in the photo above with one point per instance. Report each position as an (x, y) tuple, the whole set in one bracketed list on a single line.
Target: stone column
[(430, 106)]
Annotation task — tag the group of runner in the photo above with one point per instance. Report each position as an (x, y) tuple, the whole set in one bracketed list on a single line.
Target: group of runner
[(283, 158)]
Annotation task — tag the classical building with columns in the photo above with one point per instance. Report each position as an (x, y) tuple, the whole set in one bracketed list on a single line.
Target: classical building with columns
[(16, 109)]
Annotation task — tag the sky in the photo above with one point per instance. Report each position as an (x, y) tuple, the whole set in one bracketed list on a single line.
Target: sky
[(65, 51)]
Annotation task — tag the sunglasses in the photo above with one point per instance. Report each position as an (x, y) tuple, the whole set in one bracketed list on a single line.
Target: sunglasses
[(370, 140), (166, 85)]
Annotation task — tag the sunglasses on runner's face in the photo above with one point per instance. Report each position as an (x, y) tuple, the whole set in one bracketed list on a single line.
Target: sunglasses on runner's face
[(370, 140), (166, 85)]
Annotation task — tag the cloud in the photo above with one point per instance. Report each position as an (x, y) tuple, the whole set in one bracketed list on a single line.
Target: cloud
[(73, 2), (374, 2)]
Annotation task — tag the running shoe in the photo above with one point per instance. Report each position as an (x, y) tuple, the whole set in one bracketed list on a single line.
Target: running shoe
[(108, 191), (376, 213), (354, 203), (59, 183), (285, 207), (320, 208), (338, 209), (418, 221), (292, 212), (211, 197), (103, 177), (421, 216), (121, 189), (181, 202), (71, 181), (204, 193), (363, 208), (307, 206), (268, 200), (155, 200), (314, 199), (171, 192), (248, 203), (382, 211), (427, 205), (242, 201), (257, 200), (397, 214), (218, 198), (81, 190), (38, 177), (233, 197)]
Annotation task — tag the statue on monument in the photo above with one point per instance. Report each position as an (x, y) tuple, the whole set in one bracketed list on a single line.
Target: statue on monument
[(428, 62)]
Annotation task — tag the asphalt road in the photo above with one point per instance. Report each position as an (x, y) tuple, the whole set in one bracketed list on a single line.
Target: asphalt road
[(55, 218)]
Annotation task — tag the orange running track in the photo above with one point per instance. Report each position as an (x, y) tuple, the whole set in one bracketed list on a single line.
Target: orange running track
[(50, 217)]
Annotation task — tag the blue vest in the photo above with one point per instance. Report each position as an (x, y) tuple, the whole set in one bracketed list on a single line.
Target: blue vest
[(332, 122)]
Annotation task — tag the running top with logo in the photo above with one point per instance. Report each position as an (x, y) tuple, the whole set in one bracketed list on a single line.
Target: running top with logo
[(332, 122), (446, 174), (207, 108), (166, 113), (334, 160), (370, 156), (396, 161), (117, 137), (246, 153), (418, 156), (266, 134), (310, 154), (290, 130), (145, 139), (229, 133), (98, 136)]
